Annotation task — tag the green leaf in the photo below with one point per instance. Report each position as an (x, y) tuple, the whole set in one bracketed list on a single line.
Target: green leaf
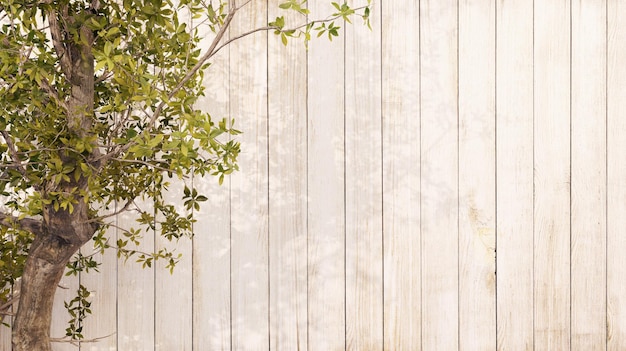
[(279, 22), (108, 47)]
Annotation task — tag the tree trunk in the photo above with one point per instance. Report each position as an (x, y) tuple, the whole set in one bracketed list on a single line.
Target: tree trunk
[(64, 232), (48, 256)]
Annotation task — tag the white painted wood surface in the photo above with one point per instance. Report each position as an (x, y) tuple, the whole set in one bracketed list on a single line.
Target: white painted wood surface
[(616, 173), (363, 160), (103, 287), (212, 240), (135, 290), (439, 174), (5, 332), (588, 196), (552, 175), (477, 176), (326, 189), (249, 193), (173, 291), (287, 79), (65, 292), (401, 175), (451, 180), (514, 174)]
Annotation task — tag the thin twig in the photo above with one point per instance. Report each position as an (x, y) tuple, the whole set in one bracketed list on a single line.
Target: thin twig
[(78, 342), (112, 214), (14, 299), (268, 28), (147, 164), (105, 75), (52, 93), (13, 152)]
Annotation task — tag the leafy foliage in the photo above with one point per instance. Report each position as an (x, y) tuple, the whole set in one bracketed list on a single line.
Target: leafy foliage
[(78, 308), (98, 111)]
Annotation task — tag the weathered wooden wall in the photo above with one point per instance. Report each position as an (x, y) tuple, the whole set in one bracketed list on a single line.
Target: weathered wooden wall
[(454, 179)]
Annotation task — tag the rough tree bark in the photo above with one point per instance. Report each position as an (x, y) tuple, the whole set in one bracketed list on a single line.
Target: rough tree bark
[(44, 268), (60, 237)]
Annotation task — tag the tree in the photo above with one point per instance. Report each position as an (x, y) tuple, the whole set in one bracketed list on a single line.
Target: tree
[(96, 113)]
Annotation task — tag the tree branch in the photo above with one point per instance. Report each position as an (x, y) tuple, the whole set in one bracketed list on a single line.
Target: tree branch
[(28, 224), (54, 95), (112, 214), (207, 55), (59, 46), (13, 152), (105, 75), (78, 342), (14, 298), (268, 28), (199, 64)]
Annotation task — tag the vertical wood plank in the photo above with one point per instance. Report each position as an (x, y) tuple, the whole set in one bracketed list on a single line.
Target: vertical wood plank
[(326, 206), (616, 187), (211, 242), (173, 314), (135, 292), (287, 80), (249, 197), (173, 291), (5, 331), (401, 172), (477, 182), (514, 177), (102, 324), (364, 278), (5, 334), (439, 174), (552, 175), (66, 291), (588, 253)]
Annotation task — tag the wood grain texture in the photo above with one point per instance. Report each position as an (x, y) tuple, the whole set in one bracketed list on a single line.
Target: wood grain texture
[(552, 175), (66, 291), (364, 250), (173, 291), (326, 201), (616, 173), (287, 84), (477, 182), (439, 174), (5, 330), (5, 334), (211, 242), (135, 291), (514, 152), (103, 288), (377, 178), (588, 253), (249, 186), (401, 175)]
